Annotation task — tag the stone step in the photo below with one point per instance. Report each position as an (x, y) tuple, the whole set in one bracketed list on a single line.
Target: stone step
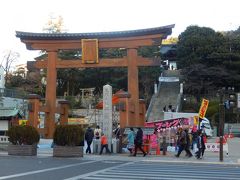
[(168, 94)]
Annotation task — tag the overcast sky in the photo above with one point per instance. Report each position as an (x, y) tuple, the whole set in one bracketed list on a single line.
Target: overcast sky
[(111, 15)]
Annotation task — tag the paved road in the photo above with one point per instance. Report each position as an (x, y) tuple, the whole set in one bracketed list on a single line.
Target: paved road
[(35, 168), (32, 168), (121, 166)]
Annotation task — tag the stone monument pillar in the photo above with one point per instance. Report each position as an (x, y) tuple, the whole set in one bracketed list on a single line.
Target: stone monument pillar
[(107, 113)]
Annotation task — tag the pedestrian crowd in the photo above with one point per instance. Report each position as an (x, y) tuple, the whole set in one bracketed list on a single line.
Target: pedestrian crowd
[(194, 141), (98, 135), (169, 109), (191, 142), (134, 140)]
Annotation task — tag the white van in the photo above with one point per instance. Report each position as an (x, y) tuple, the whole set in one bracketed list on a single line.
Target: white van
[(206, 127)]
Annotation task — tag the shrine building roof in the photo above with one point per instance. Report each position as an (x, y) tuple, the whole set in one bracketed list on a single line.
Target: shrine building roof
[(165, 30), (9, 112)]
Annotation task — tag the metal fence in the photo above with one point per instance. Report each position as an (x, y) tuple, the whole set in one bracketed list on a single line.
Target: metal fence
[(13, 93)]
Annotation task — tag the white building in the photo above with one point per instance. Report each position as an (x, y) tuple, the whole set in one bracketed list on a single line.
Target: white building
[(2, 80), (21, 70)]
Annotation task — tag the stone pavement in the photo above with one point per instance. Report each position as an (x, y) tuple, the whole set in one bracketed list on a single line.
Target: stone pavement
[(233, 157)]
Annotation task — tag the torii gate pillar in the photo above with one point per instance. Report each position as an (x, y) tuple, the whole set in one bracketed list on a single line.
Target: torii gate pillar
[(133, 89)]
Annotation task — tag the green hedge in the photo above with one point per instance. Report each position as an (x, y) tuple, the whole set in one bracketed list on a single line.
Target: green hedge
[(68, 135), (23, 135)]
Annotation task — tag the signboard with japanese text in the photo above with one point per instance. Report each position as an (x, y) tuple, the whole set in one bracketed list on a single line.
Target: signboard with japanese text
[(203, 108), (168, 79), (214, 147), (146, 130), (77, 121), (171, 123), (196, 120)]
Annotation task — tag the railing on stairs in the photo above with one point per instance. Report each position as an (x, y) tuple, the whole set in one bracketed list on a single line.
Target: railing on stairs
[(152, 101), (180, 98), (179, 102)]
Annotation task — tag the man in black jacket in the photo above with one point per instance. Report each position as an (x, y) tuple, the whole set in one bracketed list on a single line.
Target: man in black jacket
[(89, 138), (138, 142)]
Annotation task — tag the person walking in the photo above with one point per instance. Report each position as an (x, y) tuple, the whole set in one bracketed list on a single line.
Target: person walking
[(104, 144), (181, 142), (204, 137), (97, 132), (188, 144), (194, 139), (89, 138), (200, 145), (130, 138), (138, 141)]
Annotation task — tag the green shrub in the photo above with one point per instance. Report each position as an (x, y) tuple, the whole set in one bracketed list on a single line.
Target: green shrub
[(23, 135), (68, 135)]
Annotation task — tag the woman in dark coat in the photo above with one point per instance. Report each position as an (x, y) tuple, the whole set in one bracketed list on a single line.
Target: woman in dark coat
[(138, 142), (89, 138), (200, 145)]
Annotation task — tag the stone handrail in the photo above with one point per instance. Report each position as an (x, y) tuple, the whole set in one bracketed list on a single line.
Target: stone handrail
[(150, 106), (179, 102)]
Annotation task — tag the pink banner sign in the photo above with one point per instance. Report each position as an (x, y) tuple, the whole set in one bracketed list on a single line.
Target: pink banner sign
[(168, 123)]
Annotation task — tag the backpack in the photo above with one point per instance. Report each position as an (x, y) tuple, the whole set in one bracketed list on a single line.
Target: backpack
[(183, 138)]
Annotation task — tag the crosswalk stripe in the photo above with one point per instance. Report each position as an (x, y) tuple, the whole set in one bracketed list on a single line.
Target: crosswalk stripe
[(99, 171), (140, 170)]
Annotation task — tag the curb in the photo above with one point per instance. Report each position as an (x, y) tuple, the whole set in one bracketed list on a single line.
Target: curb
[(125, 157)]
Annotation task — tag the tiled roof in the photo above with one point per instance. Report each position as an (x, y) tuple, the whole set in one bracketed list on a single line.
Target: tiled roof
[(8, 112), (165, 48), (166, 30)]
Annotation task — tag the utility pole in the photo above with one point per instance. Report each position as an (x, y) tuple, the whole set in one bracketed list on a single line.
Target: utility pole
[(221, 124)]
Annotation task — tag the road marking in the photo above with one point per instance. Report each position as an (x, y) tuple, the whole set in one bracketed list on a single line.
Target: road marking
[(110, 162), (44, 170), (193, 162), (136, 170), (96, 172)]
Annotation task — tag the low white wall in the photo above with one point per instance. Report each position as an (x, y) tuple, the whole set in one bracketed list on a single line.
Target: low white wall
[(4, 139)]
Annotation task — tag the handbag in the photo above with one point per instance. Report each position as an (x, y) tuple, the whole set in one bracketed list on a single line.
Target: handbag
[(130, 146)]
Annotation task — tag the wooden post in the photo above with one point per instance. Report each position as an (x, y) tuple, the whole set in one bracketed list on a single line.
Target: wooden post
[(33, 107), (142, 110), (64, 106), (51, 93), (124, 109)]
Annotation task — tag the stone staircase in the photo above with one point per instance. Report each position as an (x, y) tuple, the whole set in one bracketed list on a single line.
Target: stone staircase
[(168, 93)]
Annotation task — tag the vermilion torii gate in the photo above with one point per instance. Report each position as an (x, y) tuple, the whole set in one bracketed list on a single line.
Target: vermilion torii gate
[(90, 43)]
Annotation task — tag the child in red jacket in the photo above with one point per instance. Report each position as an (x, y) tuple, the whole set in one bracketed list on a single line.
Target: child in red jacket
[(104, 144)]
